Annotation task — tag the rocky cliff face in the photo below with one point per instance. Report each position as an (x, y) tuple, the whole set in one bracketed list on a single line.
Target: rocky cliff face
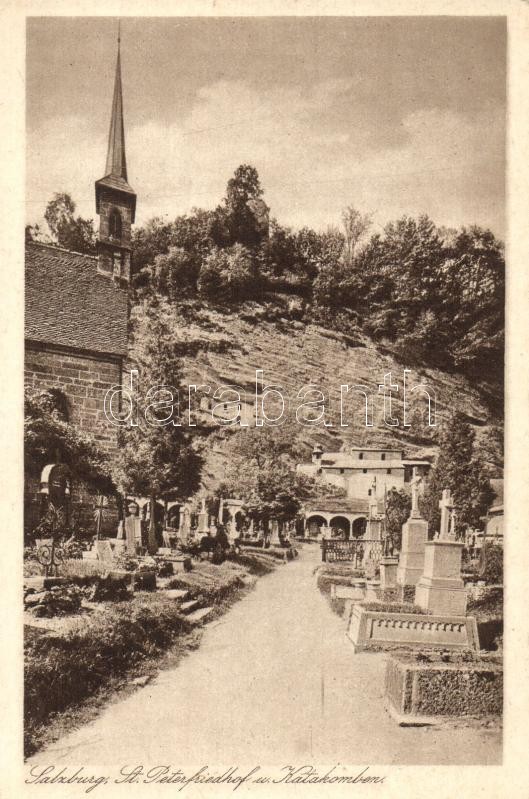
[(227, 348)]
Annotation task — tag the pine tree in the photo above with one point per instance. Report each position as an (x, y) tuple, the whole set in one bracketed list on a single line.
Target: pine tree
[(460, 469), (155, 457)]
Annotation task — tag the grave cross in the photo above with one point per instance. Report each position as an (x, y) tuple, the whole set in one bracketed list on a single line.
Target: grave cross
[(453, 518), (446, 506), (373, 505), (415, 485), (100, 506)]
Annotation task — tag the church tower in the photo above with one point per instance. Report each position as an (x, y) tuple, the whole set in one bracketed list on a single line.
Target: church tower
[(115, 198)]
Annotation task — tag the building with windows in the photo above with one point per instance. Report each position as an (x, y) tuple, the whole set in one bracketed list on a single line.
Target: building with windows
[(354, 469), (366, 474)]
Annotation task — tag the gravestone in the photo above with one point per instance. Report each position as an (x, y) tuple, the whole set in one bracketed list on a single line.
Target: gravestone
[(103, 550), (414, 537), (185, 526), (274, 537), (118, 545), (441, 588), (388, 572), (373, 532), (203, 519)]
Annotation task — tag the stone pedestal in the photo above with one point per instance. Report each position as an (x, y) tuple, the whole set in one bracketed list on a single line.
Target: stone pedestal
[(274, 534), (372, 588), (118, 546), (441, 589), (203, 522), (411, 560), (358, 589), (388, 573)]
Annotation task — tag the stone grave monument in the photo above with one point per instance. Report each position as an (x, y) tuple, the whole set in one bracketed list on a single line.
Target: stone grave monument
[(274, 533), (130, 530), (414, 537), (203, 519), (440, 588)]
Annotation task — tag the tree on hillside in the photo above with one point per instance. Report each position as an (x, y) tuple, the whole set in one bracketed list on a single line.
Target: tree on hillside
[(490, 447), (152, 239), (243, 216), (69, 231), (261, 470), (474, 300), (356, 226), (280, 251), (460, 469), (398, 507), (188, 232), (157, 455), (174, 274), (228, 274)]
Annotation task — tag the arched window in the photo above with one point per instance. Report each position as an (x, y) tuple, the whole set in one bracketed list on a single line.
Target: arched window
[(114, 225), (383, 456)]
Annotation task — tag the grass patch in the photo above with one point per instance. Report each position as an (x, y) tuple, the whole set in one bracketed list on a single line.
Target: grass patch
[(61, 670), (256, 563), (69, 674), (395, 607), (209, 584), (337, 574)]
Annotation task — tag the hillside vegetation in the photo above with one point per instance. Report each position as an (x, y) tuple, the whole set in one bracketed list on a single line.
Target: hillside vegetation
[(221, 293)]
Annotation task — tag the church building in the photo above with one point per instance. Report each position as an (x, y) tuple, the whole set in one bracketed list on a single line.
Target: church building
[(76, 310)]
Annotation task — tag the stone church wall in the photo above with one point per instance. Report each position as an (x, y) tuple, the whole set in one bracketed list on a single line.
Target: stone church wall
[(84, 381)]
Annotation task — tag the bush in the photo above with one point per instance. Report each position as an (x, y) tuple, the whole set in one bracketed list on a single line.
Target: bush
[(255, 563), (62, 670), (491, 564), (395, 607), (488, 606), (228, 275)]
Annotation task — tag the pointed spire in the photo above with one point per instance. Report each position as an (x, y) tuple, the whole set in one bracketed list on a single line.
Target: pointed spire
[(116, 159)]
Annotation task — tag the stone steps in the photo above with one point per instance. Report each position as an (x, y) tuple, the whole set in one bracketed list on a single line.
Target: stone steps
[(176, 593), (188, 607), (200, 615)]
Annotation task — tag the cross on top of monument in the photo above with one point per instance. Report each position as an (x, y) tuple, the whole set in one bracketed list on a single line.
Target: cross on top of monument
[(373, 504), (415, 483), (446, 505)]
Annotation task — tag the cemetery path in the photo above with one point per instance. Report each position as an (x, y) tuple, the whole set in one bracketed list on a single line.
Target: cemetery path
[(274, 681)]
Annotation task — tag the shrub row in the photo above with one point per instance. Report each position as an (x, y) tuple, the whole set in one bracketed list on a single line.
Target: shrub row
[(62, 670)]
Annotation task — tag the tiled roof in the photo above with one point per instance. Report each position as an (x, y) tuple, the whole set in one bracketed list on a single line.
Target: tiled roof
[(350, 463), (337, 505), (69, 303)]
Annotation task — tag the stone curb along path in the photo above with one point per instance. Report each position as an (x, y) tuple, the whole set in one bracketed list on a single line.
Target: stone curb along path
[(275, 680)]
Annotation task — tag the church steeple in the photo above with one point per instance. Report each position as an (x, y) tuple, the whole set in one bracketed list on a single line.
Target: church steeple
[(116, 158), (115, 198)]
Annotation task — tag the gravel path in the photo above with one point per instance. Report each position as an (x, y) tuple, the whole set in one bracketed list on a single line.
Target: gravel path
[(274, 681)]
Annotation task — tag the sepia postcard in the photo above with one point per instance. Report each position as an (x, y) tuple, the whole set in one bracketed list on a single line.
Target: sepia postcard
[(264, 351)]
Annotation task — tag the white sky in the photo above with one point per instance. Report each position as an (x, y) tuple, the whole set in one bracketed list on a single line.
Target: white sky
[(393, 115)]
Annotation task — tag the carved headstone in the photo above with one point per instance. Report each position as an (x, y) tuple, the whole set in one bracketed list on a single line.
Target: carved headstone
[(103, 549), (441, 588), (132, 529), (446, 505)]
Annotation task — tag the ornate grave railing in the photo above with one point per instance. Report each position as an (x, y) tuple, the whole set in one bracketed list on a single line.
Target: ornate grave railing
[(358, 551)]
